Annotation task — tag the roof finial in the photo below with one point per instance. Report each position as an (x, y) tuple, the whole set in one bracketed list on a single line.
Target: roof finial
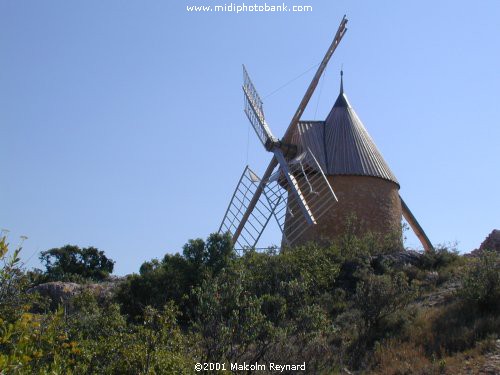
[(342, 79), (341, 99)]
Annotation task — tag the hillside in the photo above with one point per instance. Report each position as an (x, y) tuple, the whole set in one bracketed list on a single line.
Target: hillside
[(353, 308)]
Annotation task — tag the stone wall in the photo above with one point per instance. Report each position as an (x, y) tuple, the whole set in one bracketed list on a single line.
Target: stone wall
[(374, 202)]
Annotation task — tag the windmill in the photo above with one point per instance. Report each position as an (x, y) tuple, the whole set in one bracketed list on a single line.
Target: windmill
[(311, 160), (295, 188)]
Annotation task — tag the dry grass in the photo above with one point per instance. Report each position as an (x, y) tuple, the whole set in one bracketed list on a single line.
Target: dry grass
[(403, 358), (440, 341), (398, 358)]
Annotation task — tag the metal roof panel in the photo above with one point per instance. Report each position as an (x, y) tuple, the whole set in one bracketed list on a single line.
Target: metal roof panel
[(342, 144), (350, 150)]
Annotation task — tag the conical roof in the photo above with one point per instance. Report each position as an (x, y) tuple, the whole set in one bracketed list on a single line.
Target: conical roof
[(349, 148), (341, 143)]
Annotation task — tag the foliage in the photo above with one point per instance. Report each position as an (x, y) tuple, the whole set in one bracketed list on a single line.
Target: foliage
[(311, 264), (481, 285), (345, 306), (173, 278), (154, 347), (157, 283), (100, 343), (33, 342), (441, 338), (377, 297), (25, 337), (439, 258), (70, 262), (13, 284), (353, 242), (230, 320)]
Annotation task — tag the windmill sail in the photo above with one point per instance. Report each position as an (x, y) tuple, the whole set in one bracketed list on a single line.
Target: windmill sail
[(255, 112), (260, 216)]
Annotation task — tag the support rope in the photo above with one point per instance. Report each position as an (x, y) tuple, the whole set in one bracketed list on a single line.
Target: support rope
[(292, 80), (319, 94)]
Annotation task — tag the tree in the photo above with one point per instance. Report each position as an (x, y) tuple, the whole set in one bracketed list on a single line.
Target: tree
[(173, 278), (70, 262), (210, 256)]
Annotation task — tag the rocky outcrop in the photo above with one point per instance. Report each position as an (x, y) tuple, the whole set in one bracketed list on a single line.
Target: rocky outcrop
[(492, 242), (58, 292)]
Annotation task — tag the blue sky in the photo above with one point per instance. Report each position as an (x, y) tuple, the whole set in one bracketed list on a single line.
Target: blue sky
[(122, 127)]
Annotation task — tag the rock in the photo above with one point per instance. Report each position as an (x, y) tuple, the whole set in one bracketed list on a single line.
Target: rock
[(441, 296), (492, 242), (492, 363), (59, 292), (432, 277), (401, 259)]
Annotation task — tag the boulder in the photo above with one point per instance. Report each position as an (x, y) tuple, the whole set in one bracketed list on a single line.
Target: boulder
[(400, 259)]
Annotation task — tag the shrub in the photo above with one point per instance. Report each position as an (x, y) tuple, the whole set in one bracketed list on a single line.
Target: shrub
[(95, 340), (13, 284), (438, 258), (481, 284), (380, 296), (230, 320), (315, 266)]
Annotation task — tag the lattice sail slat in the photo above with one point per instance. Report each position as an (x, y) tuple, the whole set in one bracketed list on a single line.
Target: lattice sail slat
[(255, 112), (316, 190), (259, 218)]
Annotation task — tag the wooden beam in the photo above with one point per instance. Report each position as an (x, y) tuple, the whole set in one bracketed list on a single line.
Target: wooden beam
[(415, 226)]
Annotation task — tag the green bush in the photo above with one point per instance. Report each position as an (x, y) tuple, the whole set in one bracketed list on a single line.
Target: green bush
[(481, 284), (13, 284), (438, 258), (230, 320), (95, 340)]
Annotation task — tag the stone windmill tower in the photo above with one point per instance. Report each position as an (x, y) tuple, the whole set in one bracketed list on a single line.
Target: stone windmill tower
[(365, 186), (322, 174)]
